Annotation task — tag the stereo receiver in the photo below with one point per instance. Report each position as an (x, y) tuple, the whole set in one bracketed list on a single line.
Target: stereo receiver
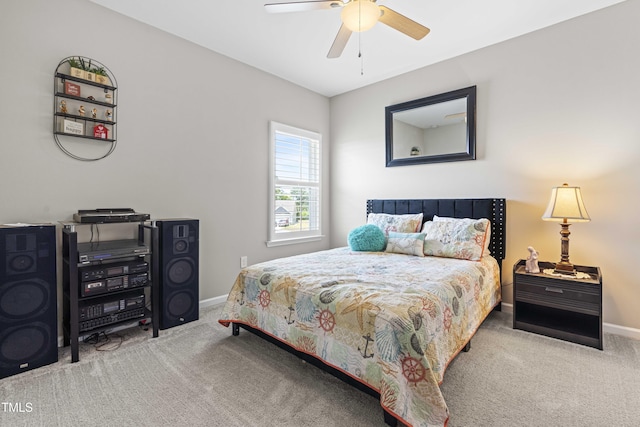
[(110, 284), (102, 271), (100, 251), (95, 314)]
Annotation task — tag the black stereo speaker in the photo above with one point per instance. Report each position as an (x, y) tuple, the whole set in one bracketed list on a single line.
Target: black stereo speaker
[(179, 271), (28, 298)]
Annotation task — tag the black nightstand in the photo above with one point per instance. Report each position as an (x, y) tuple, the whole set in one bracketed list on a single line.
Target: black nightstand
[(560, 307)]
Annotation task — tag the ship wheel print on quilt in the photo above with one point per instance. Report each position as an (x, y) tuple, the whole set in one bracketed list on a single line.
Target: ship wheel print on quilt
[(264, 298), (327, 320), (413, 370)]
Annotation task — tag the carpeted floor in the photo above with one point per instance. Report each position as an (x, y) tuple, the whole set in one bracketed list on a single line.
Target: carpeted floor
[(199, 375)]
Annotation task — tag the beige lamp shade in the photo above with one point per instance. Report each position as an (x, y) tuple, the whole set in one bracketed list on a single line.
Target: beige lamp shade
[(360, 15), (566, 205)]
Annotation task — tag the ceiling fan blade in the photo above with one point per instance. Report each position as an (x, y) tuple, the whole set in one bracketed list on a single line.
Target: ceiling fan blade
[(402, 23), (302, 6), (340, 42)]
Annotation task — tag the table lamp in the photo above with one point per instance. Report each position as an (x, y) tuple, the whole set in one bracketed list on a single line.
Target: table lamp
[(566, 207)]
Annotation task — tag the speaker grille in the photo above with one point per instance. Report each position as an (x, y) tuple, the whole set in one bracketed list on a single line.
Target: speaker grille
[(28, 298), (25, 343), (180, 246), (180, 271), (24, 299), (179, 305), (20, 264)]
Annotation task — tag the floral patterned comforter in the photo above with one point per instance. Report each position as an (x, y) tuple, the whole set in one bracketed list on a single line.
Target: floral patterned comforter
[(389, 320)]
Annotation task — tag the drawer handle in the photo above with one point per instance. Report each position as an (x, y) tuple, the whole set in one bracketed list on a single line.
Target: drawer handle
[(556, 290)]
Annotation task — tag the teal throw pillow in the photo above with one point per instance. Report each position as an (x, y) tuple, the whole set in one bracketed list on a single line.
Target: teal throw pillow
[(367, 238)]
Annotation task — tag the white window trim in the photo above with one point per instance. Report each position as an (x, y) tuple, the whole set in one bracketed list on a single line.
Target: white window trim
[(293, 241), (296, 237)]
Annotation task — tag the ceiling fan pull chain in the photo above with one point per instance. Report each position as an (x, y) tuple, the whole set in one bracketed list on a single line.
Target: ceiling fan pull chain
[(360, 54)]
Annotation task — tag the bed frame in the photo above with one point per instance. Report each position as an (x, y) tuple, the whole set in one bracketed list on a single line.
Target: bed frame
[(492, 209)]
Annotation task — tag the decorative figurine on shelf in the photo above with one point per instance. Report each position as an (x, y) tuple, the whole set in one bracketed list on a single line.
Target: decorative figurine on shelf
[(63, 106), (100, 131), (81, 110), (94, 113), (108, 114), (531, 265)]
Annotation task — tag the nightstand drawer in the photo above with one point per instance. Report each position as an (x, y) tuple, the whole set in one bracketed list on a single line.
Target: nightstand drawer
[(579, 298)]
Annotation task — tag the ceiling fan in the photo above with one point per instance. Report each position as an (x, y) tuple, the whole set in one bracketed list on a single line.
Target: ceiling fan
[(357, 16)]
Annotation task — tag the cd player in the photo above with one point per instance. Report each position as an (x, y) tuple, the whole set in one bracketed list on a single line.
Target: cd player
[(113, 249)]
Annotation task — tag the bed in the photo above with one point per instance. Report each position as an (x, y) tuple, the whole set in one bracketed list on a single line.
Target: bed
[(387, 322)]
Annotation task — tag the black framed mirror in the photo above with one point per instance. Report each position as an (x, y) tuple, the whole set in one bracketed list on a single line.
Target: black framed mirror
[(439, 128)]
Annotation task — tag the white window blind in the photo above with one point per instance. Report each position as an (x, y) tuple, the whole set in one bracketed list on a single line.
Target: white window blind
[(295, 185)]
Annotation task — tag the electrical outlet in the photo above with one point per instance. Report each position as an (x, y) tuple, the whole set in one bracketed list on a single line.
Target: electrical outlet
[(243, 261)]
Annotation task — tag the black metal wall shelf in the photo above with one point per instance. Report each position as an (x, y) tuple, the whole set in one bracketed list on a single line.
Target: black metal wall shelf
[(101, 98)]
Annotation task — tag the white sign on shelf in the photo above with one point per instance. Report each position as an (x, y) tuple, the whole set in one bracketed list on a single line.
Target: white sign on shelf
[(73, 127)]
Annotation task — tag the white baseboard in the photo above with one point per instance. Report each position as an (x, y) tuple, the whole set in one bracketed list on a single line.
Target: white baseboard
[(621, 330), (213, 301), (507, 308), (610, 328)]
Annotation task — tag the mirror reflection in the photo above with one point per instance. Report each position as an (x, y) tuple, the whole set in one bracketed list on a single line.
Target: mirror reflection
[(439, 128)]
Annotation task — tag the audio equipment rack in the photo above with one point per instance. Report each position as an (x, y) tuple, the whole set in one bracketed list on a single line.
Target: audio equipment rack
[(123, 275)]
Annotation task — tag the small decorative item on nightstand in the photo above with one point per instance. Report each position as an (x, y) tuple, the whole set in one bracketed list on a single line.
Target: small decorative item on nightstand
[(531, 265), (559, 306)]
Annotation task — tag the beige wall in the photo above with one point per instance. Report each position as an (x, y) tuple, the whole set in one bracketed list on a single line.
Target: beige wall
[(192, 132), (558, 105)]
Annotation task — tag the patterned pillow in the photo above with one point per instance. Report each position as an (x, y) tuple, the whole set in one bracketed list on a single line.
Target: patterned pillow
[(478, 224), (366, 238), (399, 223), (461, 238), (406, 243)]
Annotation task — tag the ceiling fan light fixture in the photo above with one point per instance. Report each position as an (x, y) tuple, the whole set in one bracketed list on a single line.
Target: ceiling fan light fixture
[(360, 15)]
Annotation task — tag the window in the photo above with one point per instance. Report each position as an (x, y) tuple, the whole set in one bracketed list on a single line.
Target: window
[(295, 202)]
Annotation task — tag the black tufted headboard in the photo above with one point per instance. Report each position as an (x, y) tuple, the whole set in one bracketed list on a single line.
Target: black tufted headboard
[(492, 209)]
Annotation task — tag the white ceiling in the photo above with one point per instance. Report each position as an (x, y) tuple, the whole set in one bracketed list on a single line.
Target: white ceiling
[(294, 45)]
